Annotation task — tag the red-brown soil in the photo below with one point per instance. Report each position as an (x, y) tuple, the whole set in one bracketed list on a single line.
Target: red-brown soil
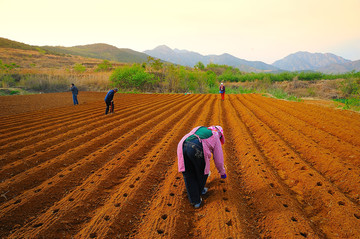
[(72, 172)]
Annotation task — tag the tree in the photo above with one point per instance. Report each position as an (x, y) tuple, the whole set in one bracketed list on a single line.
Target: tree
[(104, 66), (79, 68), (132, 77), (155, 64), (199, 66), (210, 79)]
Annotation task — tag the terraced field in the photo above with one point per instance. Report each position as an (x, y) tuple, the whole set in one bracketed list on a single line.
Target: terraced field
[(72, 172)]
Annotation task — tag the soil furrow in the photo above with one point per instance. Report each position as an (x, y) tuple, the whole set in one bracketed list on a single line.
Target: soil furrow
[(273, 204), (51, 128), (344, 129), (161, 217), (98, 186), (315, 117), (10, 131), (100, 138), (342, 149), (122, 212), (52, 147), (47, 109), (293, 168), (331, 167), (32, 201), (335, 116), (29, 122), (223, 212), (29, 118), (324, 204)]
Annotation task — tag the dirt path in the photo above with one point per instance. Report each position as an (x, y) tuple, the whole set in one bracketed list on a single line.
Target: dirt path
[(71, 172)]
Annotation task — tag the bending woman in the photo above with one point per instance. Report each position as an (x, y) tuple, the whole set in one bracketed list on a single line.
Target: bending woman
[(194, 153)]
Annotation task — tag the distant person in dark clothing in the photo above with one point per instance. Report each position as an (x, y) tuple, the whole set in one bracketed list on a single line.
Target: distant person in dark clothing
[(75, 92), (109, 100), (222, 91)]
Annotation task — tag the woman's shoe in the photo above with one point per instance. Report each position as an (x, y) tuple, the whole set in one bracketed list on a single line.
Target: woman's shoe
[(199, 204)]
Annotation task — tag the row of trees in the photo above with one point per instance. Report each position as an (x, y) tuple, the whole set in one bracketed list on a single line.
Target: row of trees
[(176, 79), (156, 76)]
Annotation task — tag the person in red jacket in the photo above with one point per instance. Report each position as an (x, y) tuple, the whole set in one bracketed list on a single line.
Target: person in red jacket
[(222, 91), (194, 153)]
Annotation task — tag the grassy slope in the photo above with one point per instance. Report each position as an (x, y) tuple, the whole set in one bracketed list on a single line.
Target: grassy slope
[(99, 51), (6, 43), (102, 51)]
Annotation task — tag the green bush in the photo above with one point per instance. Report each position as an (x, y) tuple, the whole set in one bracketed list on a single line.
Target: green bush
[(132, 77), (211, 79), (104, 66), (308, 76), (9, 92), (231, 90), (155, 64), (311, 92), (14, 92), (350, 87), (350, 103), (200, 66), (7, 81), (228, 75), (278, 93), (281, 94), (79, 68)]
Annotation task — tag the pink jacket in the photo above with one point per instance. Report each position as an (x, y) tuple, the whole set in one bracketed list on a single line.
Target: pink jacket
[(211, 145)]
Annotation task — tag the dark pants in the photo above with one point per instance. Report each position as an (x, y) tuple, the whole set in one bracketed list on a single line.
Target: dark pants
[(194, 177), (75, 99), (108, 105)]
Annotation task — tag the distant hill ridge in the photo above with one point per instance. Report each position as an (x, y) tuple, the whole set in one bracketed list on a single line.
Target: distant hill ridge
[(6, 43), (302, 61), (98, 51), (102, 51), (299, 61), (189, 58)]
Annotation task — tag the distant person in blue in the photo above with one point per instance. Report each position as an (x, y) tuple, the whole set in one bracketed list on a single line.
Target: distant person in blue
[(75, 92), (109, 100)]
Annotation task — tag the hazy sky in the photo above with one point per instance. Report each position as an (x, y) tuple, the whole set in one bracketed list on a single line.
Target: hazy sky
[(265, 30)]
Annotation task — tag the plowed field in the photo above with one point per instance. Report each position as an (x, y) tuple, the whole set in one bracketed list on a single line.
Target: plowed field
[(72, 172)]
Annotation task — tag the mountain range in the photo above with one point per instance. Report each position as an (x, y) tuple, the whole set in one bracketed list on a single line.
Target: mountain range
[(299, 61), (189, 58), (302, 61)]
